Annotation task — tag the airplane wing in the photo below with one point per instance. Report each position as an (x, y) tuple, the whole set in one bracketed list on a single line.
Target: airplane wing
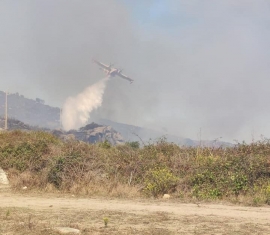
[(102, 65), (125, 77)]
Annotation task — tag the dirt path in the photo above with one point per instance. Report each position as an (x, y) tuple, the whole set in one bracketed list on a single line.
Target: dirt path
[(145, 215), (256, 214)]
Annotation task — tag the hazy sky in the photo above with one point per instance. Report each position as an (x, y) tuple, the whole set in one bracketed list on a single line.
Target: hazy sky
[(196, 64)]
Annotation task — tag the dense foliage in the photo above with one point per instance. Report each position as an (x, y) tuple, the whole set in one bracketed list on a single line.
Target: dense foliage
[(41, 161)]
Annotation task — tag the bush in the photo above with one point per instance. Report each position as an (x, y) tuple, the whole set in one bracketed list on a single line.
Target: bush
[(134, 144), (106, 144), (267, 193), (56, 171), (159, 181)]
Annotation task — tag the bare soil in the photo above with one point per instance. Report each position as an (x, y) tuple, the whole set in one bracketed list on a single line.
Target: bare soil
[(28, 213)]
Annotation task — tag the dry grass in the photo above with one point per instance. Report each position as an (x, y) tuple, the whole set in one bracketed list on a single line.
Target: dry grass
[(36, 222)]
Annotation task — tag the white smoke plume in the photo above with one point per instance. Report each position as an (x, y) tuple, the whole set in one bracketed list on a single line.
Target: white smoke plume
[(76, 110)]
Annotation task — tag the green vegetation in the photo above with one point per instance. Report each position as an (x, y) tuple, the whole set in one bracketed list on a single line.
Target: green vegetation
[(159, 181), (7, 214), (40, 161), (133, 144), (106, 221)]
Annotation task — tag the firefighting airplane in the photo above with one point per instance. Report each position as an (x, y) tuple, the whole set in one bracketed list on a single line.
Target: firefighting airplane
[(112, 72)]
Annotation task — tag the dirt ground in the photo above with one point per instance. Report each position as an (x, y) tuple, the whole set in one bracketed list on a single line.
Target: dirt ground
[(28, 213)]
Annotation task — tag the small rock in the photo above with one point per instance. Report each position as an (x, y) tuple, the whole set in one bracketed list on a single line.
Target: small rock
[(3, 177), (67, 230), (166, 196), (24, 188)]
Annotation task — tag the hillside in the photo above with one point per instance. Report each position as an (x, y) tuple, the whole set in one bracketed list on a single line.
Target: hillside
[(91, 133), (135, 133), (14, 124), (37, 113), (29, 111)]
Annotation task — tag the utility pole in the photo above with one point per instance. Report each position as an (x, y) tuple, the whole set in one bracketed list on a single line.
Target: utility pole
[(60, 118), (6, 114)]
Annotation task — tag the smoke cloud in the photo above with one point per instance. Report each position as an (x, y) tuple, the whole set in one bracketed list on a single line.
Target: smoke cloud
[(76, 110), (197, 65)]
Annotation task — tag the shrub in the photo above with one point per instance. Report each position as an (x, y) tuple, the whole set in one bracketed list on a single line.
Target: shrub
[(267, 194), (159, 181), (106, 144), (55, 172), (133, 144)]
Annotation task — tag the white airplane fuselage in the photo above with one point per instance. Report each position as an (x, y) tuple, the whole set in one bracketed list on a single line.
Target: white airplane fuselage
[(112, 73)]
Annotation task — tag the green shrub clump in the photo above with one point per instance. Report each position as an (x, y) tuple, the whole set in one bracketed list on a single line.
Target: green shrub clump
[(267, 194), (159, 181)]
